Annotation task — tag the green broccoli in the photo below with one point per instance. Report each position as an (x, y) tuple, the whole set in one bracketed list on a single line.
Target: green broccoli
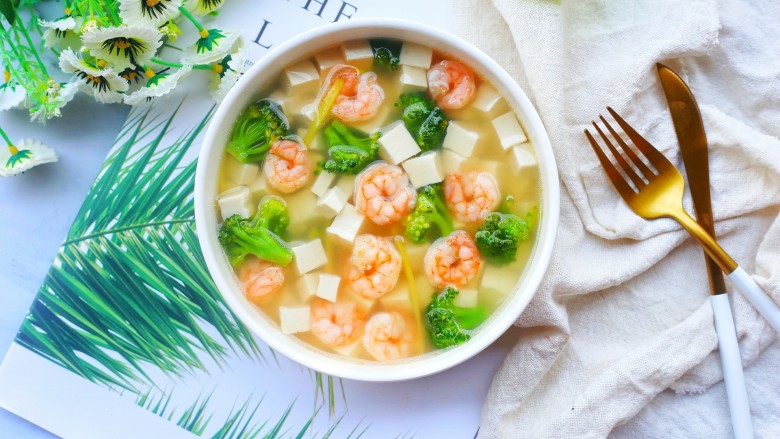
[(386, 53), (258, 235), (255, 130), (449, 325), (425, 121), (429, 213), (500, 235), (349, 151)]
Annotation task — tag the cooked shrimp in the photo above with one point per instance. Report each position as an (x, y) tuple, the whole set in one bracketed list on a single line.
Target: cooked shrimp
[(287, 166), (336, 323), (383, 193), (452, 260), (388, 336), (451, 84), (471, 196), (260, 278), (361, 102), (374, 266)]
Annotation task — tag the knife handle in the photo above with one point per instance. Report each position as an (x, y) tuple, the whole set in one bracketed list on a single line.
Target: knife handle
[(761, 300), (733, 376)]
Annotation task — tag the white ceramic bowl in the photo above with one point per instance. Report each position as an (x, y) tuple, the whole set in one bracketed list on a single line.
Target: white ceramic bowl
[(265, 71)]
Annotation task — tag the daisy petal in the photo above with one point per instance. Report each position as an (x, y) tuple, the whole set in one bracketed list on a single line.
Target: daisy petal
[(26, 154)]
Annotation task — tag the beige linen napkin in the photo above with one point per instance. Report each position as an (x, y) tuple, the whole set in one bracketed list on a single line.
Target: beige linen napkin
[(623, 312)]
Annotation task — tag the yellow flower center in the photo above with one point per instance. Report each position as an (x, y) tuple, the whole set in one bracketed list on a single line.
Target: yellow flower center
[(204, 33), (14, 150), (217, 68), (67, 11), (6, 75), (149, 73), (122, 44), (93, 79), (152, 3), (129, 76), (101, 63)]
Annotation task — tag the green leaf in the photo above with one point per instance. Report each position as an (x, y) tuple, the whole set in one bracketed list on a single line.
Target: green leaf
[(8, 9)]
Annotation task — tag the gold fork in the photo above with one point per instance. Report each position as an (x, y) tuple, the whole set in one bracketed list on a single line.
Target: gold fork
[(657, 193)]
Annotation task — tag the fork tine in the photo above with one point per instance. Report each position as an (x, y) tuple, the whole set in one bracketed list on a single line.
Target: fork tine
[(629, 152), (614, 176), (653, 155), (627, 169)]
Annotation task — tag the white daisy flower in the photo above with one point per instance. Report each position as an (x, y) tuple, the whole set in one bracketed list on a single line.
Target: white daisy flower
[(148, 12), (24, 155), (230, 72), (62, 33), (159, 85), (123, 46), (203, 7), (58, 95), (213, 47), (12, 95), (104, 84)]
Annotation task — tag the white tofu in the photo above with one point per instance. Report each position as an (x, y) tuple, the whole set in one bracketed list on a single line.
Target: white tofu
[(397, 299), (331, 202), (492, 167), (347, 223), (412, 79), (466, 298), (281, 98), (309, 256), (323, 182), (294, 319), (495, 278), (509, 131), (415, 55), (354, 349), (302, 77), (258, 187), (327, 59), (522, 158), (450, 161), (487, 99), (424, 169), (347, 184), (237, 200), (301, 110), (396, 144), (328, 286), (239, 173), (307, 286), (460, 140), (358, 53)]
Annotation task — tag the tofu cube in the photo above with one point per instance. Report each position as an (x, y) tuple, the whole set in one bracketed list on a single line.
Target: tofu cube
[(460, 140), (466, 298), (397, 299), (358, 53), (492, 167), (450, 161), (300, 111), (322, 183), (424, 169), (415, 55), (294, 319), (494, 278), (242, 174), (327, 59), (302, 77), (487, 99), (509, 131), (353, 350), (347, 184), (328, 286), (281, 98), (522, 158), (309, 256), (331, 202), (412, 79), (396, 144), (307, 286), (347, 223), (258, 187), (237, 200)]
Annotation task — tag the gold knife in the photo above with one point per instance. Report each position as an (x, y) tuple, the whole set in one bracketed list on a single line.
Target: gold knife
[(689, 127)]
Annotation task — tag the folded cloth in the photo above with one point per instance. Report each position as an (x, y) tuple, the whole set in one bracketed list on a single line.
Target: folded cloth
[(623, 313)]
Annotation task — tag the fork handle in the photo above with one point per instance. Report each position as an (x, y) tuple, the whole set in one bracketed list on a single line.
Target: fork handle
[(733, 375), (763, 303)]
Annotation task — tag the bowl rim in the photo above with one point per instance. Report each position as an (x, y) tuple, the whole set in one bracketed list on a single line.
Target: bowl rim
[(298, 351)]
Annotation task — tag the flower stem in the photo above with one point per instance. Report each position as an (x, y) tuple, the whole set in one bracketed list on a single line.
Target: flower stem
[(178, 66), (192, 19), (33, 49), (5, 137)]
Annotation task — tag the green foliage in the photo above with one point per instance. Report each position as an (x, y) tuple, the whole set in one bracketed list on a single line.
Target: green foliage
[(255, 130), (500, 235), (349, 150), (8, 9), (425, 121), (241, 237), (386, 53), (449, 325), (430, 216)]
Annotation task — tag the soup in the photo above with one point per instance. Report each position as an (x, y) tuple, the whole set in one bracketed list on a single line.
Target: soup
[(379, 200)]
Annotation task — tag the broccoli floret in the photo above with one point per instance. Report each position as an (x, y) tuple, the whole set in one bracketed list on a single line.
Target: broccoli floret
[(386, 53), (429, 214), (258, 235), (500, 235), (449, 325), (255, 130), (349, 151), (425, 121)]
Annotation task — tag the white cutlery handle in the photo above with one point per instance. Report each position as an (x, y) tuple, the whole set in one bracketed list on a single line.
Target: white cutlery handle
[(760, 299), (733, 376)]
